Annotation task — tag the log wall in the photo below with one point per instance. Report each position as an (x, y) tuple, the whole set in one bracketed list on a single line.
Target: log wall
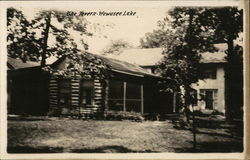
[(75, 96), (53, 93)]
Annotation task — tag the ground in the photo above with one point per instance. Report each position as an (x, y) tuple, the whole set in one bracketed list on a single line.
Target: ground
[(99, 136)]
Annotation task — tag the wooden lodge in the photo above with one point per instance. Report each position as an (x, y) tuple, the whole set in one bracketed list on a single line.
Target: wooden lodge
[(127, 87)]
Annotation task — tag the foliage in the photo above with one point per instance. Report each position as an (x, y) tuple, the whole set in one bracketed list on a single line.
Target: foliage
[(50, 34), (187, 39), (116, 46), (186, 33), (227, 23), (122, 115), (82, 64), (19, 38), (43, 37), (157, 38)]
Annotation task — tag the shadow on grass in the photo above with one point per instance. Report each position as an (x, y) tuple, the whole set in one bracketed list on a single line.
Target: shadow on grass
[(209, 126), (104, 149), (27, 149), (109, 149), (213, 147)]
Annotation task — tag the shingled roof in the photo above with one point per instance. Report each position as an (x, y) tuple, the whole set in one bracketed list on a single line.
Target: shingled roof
[(125, 67), (152, 56)]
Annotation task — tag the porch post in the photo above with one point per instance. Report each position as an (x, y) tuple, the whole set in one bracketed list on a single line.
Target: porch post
[(142, 99), (106, 95), (124, 95), (174, 102)]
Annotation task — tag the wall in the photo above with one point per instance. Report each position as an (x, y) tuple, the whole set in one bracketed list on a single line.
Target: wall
[(218, 83), (74, 96), (29, 91)]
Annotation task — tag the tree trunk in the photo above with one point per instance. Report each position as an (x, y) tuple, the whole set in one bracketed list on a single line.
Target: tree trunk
[(45, 41), (228, 80)]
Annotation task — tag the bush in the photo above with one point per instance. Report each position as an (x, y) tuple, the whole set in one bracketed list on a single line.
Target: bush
[(54, 112), (122, 115), (216, 112), (63, 112)]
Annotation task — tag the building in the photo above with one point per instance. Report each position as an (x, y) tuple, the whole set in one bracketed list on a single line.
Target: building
[(127, 87), (27, 88), (147, 58), (210, 90)]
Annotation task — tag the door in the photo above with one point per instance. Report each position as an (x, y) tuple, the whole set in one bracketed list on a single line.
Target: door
[(209, 99)]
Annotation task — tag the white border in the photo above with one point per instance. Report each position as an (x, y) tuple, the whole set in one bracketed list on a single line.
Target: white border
[(75, 4)]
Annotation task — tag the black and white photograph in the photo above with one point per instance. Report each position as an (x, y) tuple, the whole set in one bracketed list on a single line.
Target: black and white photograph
[(125, 78)]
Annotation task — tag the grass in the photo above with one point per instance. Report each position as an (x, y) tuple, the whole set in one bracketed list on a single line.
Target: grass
[(96, 136)]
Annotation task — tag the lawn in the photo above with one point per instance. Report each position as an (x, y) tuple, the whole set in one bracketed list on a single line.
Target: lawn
[(96, 136)]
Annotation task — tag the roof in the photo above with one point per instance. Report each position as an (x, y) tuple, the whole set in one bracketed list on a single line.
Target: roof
[(152, 56), (142, 57), (114, 65), (13, 63), (215, 57), (19, 64), (125, 67)]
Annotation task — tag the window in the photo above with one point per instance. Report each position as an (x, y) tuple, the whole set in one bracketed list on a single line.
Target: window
[(210, 97), (209, 73), (87, 92), (64, 91)]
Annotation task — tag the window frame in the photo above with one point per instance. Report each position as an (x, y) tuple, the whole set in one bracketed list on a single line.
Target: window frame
[(215, 97), (82, 90), (209, 73), (65, 96)]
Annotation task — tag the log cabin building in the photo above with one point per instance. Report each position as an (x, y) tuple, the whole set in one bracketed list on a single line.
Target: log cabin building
[(127, 87)]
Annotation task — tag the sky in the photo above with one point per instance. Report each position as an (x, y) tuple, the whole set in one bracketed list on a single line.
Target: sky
[(128, 28)]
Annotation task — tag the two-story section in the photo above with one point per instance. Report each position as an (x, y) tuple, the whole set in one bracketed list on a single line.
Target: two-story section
[(211, 88)]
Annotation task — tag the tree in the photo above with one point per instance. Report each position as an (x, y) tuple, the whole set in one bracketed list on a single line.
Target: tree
[(227, 23), (185, 38), (157, 38), (20, 39), (189, 32), (116, 46), (31, 39), (49, 34)]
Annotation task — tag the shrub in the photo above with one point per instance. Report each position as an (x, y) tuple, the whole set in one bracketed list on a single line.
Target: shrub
[(54, 112), (122, 115), (216, 112)]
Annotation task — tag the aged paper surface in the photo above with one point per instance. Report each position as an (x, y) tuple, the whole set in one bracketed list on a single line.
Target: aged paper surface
[(127, 22)]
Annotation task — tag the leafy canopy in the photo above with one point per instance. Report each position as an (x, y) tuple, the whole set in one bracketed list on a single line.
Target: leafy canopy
[(187, 32), (48, 34), (116, 47)]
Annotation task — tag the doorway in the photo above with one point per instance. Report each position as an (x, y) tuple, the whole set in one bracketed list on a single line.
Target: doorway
[(210, 98)]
